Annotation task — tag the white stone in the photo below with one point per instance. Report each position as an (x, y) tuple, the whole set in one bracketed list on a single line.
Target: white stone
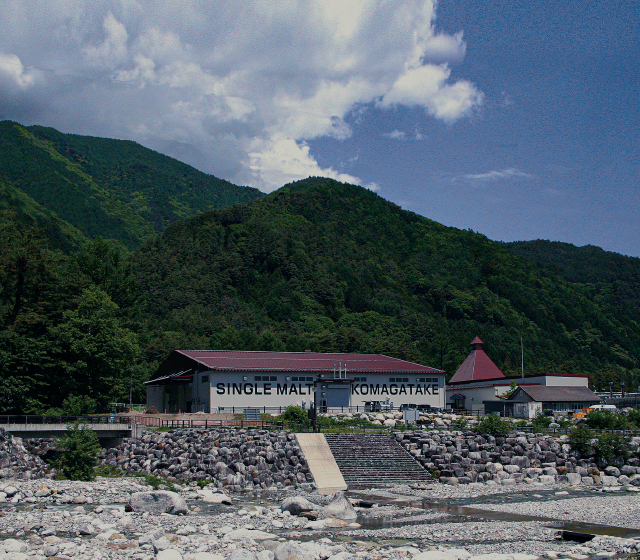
[(214, 497), (241, 534), (436, 555), (169, 554), (13, 545)]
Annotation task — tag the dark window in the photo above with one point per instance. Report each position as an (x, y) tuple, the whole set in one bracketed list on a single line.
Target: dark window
[(205, 379)]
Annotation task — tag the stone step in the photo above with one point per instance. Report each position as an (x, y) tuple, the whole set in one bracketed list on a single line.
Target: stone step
[(368, 459)]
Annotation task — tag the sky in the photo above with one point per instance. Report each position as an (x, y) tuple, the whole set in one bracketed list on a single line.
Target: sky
[(518, 119)]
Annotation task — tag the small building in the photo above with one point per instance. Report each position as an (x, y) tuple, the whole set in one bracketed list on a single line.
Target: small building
[(528, 401), (479, 385), (225, 380)]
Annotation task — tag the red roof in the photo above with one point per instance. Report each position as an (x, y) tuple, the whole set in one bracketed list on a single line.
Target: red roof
[(232, 360), (477, 367)]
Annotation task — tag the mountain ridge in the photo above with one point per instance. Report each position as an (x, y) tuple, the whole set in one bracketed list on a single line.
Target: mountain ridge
[(114, 189)]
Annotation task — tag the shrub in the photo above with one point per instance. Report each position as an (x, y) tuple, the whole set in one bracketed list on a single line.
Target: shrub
[(295, 415), (74, 405), (541, 422), (459, 424), (633, 415), (108, 471), (580, 438), (607, 420), (493, 425), (612, 447), (78, 453)]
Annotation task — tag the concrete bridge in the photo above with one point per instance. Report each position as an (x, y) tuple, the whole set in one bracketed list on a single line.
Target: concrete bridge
[(109, 434)]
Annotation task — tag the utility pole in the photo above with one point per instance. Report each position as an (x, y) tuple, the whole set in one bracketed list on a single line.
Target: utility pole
[(522, 356), (130, 387)]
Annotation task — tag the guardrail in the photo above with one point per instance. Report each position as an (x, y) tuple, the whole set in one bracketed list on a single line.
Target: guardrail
[(55, 419), (157, 422)]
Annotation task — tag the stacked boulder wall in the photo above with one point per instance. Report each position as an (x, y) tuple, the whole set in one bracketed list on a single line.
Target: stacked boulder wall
[(459, 458), (18, 461), (245, 458)]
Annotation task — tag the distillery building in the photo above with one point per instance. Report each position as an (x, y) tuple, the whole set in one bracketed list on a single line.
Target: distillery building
[(225, 380), (479, 386)]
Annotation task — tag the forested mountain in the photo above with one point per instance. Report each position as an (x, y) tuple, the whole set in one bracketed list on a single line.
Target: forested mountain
[(613, 278), (79, 187), (333, 267), (317, 265)]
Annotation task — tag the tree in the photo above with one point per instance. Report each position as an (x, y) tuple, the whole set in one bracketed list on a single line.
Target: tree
[(614, 448), (79, 450), (294, 415), (580, 438), (75, 405), (94, 351), (607, 420), (108, 271)]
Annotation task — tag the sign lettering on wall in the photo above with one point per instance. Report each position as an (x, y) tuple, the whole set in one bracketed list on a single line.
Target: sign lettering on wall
[(264, 389), (307, 389), (394, 389)]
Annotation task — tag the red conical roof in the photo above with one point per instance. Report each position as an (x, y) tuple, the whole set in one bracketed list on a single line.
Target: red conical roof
[(477, 367)]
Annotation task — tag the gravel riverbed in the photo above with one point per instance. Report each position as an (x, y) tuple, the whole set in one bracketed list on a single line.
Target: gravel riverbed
[(50, 519)]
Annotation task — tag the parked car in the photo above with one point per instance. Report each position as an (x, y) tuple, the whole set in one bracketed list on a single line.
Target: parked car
[(408, 406)]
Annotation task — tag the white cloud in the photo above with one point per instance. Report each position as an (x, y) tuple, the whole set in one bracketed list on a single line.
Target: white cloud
[(443, 48), (509, 173), (13, 73), (236, 89), (113, 49), (395, 135), (426, 86)]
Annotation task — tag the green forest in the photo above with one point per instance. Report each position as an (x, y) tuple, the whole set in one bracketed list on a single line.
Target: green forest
[(316, 265), (79, 188)]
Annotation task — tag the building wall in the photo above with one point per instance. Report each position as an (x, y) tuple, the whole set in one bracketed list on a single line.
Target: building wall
[(212, 391), (500, 387), (154, 397), (475, 396), (557, 380)]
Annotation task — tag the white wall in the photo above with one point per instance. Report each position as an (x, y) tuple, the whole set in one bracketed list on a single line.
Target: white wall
[(231, 389), (475, 396)]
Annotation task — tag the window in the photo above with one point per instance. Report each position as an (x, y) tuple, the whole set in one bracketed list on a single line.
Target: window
[(204, 379), (359, 378), (398, 380), (266, 378), (427, 380), (301, 378)]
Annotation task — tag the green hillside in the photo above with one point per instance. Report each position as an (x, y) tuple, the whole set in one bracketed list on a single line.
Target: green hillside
[(333, 267), (78, 187), (317, 265), (612, 278)]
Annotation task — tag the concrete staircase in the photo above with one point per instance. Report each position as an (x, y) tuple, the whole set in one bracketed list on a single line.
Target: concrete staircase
[(374, 460)]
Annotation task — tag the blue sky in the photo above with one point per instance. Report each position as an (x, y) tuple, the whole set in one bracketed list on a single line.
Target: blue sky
[(517, 119)]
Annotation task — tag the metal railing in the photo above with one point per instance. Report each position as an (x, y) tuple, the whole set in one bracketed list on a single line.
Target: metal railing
[(57, 419), (171, 423)]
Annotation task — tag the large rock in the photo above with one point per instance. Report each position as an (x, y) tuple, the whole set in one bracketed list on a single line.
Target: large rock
[(242, 554), (339, 508), (211, 497), (293, 551), (296, 505), (158, 502), (242, 534)]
